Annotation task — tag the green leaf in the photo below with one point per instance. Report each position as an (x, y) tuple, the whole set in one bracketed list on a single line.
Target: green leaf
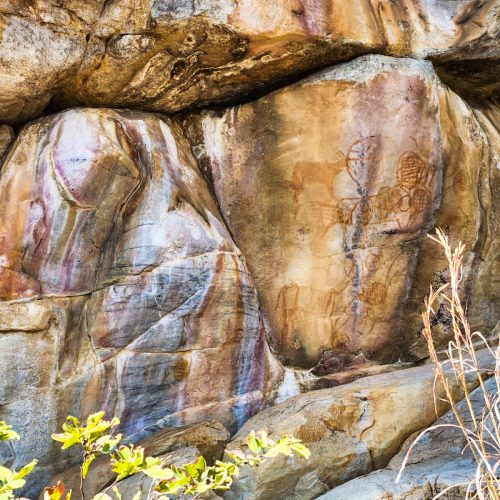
[(73, 420), (26, 469), (191, 470), (128, 460), (68, 439), (237, 456), (6, 432), (159, 472), (86, 465), (16, 483), (5, 474), (301, 450), (94, 419), (201, 464), (107, 443), (252, 443)]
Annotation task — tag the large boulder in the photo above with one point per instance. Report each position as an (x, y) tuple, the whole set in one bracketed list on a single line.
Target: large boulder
[(120, 287), (439, 461), (329, 187), (351, 430), (488, 115), (421, 482), (165, 55)]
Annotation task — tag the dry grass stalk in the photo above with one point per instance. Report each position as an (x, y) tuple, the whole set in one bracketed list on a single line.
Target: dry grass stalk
[(458, 365)]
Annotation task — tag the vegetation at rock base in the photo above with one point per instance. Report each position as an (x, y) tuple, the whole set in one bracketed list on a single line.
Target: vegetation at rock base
[(11, 480), (191, 480), (456, 365)]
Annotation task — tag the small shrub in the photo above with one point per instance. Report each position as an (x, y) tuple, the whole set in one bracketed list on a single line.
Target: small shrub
[(191, 480)]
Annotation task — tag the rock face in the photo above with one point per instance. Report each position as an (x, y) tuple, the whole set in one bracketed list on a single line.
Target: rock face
[(440, 460), (266, 239), (423, 483), (350, 430), (118, 275), (329, 187), (162, 55)]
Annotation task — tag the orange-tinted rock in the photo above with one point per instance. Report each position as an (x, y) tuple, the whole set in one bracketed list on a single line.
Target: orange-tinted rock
[(161, 55), (488, 271), (329, 187), (121, 288), (470, 212), (440, 461)]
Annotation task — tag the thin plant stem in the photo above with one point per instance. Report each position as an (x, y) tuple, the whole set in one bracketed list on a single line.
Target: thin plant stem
[(457, 372)]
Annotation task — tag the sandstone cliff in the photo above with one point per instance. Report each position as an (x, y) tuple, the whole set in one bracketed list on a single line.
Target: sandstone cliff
[(208, 207)]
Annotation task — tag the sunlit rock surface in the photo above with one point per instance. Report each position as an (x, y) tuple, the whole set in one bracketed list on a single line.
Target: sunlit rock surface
[(125, 236), (350, 431), (439, 461), (329, 187), (165, 55), (121, 288)]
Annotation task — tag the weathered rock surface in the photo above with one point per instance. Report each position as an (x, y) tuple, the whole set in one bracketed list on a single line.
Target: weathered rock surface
[(422, 482), (351, 430), (470, 193), (120, 287), (488, 276), (161, 55), (440, 460), (329, 187), (122, 283), (176, 446)]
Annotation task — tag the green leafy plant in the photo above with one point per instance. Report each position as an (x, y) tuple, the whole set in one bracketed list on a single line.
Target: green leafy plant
[(129, 460), (198, 478), (11, 480), (262, 447), (91, 437), (7, 433), (193, 479)]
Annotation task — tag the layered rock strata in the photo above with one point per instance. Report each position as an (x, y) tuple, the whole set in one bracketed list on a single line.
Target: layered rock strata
[(160, 55)]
